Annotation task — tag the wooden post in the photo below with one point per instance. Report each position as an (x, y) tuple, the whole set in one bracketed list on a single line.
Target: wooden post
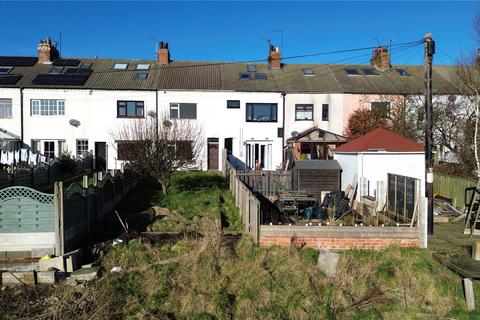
[(469, 296), (476, 251), (100, 176), (58, 208), (95, 179), (85, 185)]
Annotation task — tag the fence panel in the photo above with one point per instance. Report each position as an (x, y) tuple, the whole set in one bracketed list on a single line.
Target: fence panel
[(452, 187)]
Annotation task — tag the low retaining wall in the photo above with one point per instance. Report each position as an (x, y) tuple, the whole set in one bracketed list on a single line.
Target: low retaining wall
[(338, 238)]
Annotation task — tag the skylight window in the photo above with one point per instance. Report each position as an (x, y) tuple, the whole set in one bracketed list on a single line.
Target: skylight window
[(141, 76), (402, 72), (56, 70), (370, 72), (251, 68), (244, 76), (260, 76), (308, 72), (143, 66), (85, 66), (352, 72), (120, 66), (5, 70)]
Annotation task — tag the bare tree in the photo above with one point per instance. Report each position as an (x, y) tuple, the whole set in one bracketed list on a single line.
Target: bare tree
[(159, 151)]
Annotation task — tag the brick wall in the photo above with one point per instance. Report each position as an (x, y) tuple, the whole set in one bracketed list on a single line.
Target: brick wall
[(339, 237)]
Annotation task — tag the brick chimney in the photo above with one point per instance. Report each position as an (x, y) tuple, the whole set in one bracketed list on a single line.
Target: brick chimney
[(163, 54), (47, 51), (381, 58), (274, 59)]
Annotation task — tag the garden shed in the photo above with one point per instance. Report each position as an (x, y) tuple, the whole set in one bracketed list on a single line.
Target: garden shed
[(316, 176), (372, 160)]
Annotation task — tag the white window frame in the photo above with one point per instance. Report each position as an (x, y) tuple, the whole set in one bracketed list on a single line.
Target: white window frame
[(6, 111), (47, 107), (81, 147)]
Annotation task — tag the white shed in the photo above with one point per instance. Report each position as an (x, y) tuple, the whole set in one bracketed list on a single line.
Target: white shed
[(377, 154)]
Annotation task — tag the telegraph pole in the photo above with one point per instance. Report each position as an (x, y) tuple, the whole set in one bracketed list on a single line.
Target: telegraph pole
[(429, 52)]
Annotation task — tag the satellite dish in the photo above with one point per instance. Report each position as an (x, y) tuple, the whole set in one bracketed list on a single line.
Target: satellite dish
[(152, 113), (74, 122), (295, 134), (167, 123)]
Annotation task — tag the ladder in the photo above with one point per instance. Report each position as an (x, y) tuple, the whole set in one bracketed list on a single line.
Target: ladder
[(472, 205)]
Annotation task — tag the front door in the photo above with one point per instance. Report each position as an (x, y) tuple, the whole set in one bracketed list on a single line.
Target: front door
[(212, 153), (101, 156)]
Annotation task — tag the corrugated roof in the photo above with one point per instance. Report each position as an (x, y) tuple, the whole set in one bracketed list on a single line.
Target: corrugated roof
[(380, 140), (317, 165), (218, 76)]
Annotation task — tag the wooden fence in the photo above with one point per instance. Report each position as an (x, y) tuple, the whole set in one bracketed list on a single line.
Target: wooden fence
[(266, 182), (452, 187)]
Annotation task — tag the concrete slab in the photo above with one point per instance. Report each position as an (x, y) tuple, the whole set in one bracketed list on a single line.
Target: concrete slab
[(18, 255), (57, 263), (41, 252), (51, 277), (73, 260), (327, 262), (86, 274), (16, 278)]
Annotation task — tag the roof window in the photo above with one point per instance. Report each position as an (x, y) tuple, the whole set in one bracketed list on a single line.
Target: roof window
[(5, 70), (120, 66), (141, 76), (352, 72), (244, 76), (251, 68), (308, 72), (370, 72), (260, 76), (402, 72), (143, 66)]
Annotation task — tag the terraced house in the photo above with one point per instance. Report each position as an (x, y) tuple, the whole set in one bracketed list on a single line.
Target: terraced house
[(53, 104)]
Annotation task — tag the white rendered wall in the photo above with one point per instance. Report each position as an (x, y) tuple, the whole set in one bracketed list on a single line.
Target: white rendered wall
[(11, 124), (349, 164)]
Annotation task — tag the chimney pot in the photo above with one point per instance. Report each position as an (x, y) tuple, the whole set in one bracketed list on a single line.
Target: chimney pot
[(47, 51)]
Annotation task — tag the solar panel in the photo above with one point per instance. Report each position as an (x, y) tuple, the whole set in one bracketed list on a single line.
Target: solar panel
[(10, 79), (370, 72), (66, 62), (18, 61), (244, 76), (61, 79), (352, 72)]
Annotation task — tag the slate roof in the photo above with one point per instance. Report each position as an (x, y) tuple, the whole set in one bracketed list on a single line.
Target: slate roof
[(380, 140), (224, 76)]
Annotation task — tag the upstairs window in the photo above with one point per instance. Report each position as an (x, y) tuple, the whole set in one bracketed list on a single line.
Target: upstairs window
[(325, 112), (5, 70), (130, 109), (120, 66), (47, 107), (233, 104), (183, 111), (380, 106), (82, 147), (5, 108), (261, 112), (303, 112)]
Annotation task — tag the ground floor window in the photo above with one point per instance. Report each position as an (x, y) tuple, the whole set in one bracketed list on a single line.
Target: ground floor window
[(49, 149), (259, 155), (82, 147)]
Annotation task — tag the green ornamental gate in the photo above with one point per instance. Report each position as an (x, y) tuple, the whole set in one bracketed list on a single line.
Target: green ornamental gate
[(25, 210)]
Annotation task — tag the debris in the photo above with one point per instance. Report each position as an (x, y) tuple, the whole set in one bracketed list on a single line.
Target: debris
[(23, 277), (327, 262), (57, 263), (116, 269), (116, 242), (86, 274)]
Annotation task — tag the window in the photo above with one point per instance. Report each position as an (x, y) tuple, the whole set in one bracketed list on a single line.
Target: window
[(308, 72), (47, 107), (244, 76), (304, 112), (5, 70), (62, 148), (123, 149), (35, 146), (5, 108), (402, 72), (56, 70), (120, 66), (325, 112), (184, 150), (82, 147), (260, 76), (233, 104), (262, 112), (49, 149), (143, 66), (130, 109), (370, 72), (86, 66), (183, 111), (141, 76), (251, 68), (383, 107), (352, 72)]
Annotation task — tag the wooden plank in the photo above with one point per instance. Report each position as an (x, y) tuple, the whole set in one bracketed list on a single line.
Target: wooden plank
[(466, 267), (469, 295)]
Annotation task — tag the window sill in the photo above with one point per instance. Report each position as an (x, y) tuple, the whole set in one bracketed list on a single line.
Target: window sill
[(303, 119), (265, 121), (125, 117)]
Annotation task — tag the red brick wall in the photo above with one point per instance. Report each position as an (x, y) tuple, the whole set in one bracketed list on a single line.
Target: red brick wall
[(339, 243)]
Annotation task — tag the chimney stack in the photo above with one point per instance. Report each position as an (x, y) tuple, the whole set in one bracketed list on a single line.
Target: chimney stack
[(381, 58), (163, 54), (47, 51), (274, 60)]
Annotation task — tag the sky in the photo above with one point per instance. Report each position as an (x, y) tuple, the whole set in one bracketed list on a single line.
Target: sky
[(239, 31)]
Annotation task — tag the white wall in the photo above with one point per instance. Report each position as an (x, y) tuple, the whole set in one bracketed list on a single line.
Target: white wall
[(349, 164), (335, 116), (97, 112)]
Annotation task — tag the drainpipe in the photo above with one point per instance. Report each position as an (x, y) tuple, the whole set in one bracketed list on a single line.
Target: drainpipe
[(21, 117), (156, 113), (283, 127)]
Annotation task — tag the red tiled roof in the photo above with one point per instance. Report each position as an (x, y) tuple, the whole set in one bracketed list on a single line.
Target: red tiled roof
[(381, 139)]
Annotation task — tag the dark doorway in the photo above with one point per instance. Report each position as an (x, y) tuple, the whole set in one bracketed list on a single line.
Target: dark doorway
[(212, 153), (101, 156), (229, 145)]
